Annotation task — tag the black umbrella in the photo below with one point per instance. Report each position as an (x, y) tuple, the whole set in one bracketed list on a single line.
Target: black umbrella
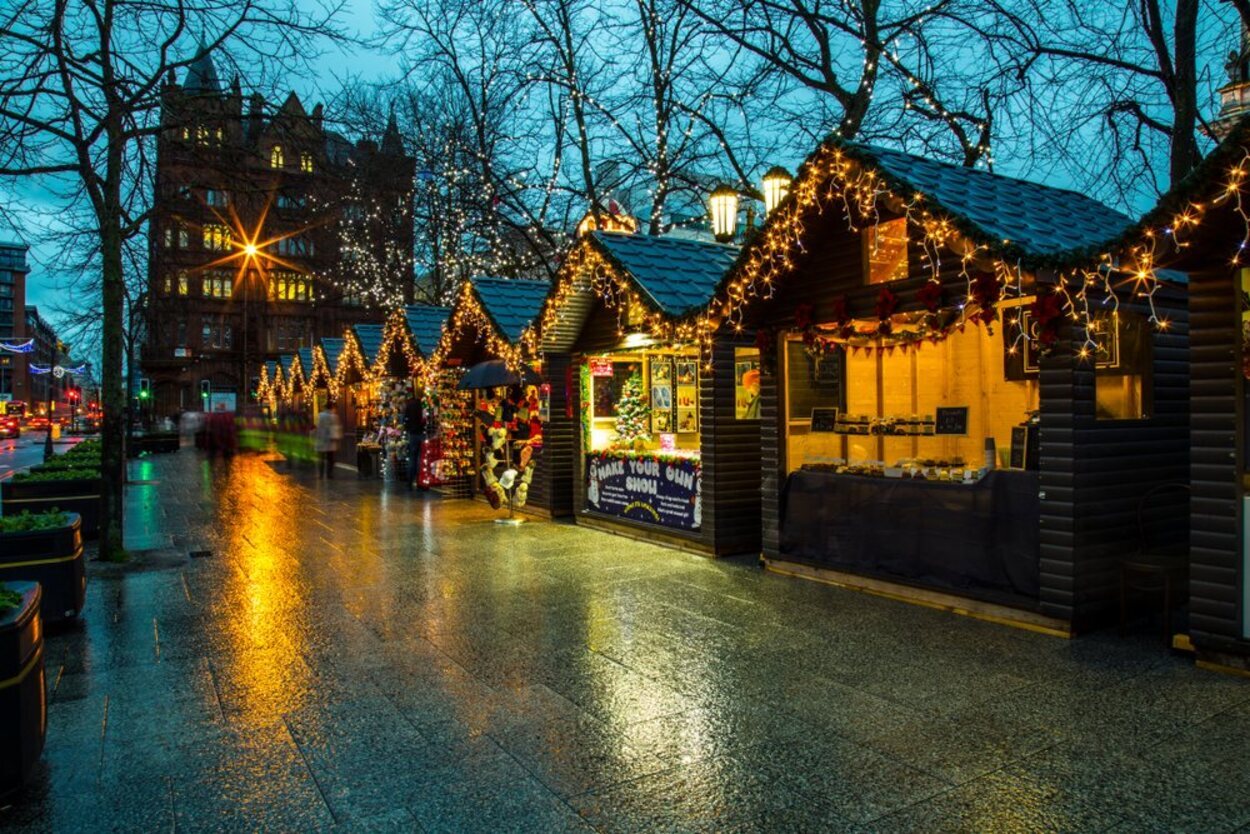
[(495, 374)]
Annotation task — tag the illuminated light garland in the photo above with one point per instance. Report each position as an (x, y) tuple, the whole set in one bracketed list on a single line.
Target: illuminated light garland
[(832, 178), (468, 315), (585, 267), (320, 374), (352, 359), (396, 336), (294, 383)]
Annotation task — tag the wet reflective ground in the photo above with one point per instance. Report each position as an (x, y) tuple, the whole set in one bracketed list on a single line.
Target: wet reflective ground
[(348, 659)]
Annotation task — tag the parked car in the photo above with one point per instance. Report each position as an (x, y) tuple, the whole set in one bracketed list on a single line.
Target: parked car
[(10, 427)]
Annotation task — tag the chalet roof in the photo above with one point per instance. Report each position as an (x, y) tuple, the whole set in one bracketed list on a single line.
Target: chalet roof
[(511, 303), (1036, 219), (286, 360), (333, 349), (678, 275), (271, 367), (425, 323), (370, 338), (202, 74), (305, 360)]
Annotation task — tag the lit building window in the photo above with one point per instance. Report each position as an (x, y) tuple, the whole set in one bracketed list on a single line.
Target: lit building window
[(285, 285), (218, 283), (885, 251), (184, 237), (276, 158), (216, 198), (216, 237), (169, 237), (306, 162), (169, 284), (183, 283)]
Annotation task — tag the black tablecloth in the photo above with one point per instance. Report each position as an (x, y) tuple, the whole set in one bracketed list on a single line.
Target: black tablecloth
[(983, 535)]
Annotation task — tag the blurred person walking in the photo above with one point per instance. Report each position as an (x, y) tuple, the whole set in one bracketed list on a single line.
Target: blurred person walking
[(326, 440), (415, 426)]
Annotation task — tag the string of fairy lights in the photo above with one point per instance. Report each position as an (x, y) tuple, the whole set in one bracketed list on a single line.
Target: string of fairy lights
[(830, 180)]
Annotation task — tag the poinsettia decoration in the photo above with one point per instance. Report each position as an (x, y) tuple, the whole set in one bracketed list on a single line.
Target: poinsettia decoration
[(887, 303), (930, 296), (766, 343), (842, 317), (1046, 312), (985, 291), (804, 316)]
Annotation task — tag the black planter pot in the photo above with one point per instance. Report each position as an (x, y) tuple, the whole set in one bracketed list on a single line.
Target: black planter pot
[(23, 691), (161, 443), (82, 497), (53, 558)]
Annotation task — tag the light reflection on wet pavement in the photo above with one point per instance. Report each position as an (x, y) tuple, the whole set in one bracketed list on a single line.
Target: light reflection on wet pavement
[(352, 658)]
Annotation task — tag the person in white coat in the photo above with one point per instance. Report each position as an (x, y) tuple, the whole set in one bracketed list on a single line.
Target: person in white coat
[(326, 440)]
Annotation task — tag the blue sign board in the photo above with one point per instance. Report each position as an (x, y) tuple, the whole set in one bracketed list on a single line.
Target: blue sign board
[(664, 492)]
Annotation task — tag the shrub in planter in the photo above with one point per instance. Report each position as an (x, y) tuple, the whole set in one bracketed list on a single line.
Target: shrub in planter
[(46, 548), (23, 692), (72, 490)]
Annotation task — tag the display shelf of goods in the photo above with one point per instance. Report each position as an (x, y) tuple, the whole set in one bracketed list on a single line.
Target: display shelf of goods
[(23, 688), (454, 410), (71, 490), (46, 548)]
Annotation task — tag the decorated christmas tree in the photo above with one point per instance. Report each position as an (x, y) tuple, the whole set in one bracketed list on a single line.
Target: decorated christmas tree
[(632, 412)]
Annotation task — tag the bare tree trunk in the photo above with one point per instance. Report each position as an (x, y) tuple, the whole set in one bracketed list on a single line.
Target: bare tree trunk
[(113, 393), (1185, 155)]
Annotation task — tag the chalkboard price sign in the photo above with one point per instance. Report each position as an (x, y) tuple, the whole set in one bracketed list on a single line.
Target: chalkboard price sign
[(824, 419), (951, 420)]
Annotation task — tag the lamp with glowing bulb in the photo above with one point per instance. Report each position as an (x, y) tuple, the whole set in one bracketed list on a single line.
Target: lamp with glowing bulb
[(723, 207), (776, 186)]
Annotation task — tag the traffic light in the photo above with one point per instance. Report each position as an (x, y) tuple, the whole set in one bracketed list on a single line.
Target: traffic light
[(205, 387), (145, 388), (254, 391)]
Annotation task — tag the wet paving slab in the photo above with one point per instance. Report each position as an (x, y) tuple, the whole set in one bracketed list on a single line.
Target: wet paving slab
[(287, 654)]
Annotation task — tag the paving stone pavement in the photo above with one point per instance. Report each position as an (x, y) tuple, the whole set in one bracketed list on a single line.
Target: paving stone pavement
[(350, 657)]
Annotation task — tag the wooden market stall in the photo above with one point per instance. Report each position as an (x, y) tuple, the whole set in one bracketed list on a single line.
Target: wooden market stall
[(1202, 228), (663, 425), (963, 403), (488, 322)]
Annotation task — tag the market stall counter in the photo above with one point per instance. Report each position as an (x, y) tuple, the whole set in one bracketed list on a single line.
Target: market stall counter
[(975, 536)]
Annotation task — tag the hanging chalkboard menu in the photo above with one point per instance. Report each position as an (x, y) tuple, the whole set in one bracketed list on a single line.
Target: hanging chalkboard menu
[(824, 420), (811, 382), (951, 420)]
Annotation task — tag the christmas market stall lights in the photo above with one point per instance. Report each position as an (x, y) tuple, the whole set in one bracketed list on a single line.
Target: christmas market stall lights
[(1202, 227), (663, 446), (962, 400), (498, 428), (269, 388)]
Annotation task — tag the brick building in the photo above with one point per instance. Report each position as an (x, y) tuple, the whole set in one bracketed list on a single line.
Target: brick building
[(13, 271), (269, 231)]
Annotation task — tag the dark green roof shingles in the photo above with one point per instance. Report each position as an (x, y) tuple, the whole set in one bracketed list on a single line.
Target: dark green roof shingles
[(679, 275), (370, 338), (425, 325), (511, 303)]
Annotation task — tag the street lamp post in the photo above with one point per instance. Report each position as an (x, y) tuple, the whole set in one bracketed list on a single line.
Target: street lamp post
[(776, 186), (723, 207)]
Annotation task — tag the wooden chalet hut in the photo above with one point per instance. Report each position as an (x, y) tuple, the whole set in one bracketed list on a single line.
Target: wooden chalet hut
[(1202, 227), (662, 430), (490, 317), (964, 400)]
